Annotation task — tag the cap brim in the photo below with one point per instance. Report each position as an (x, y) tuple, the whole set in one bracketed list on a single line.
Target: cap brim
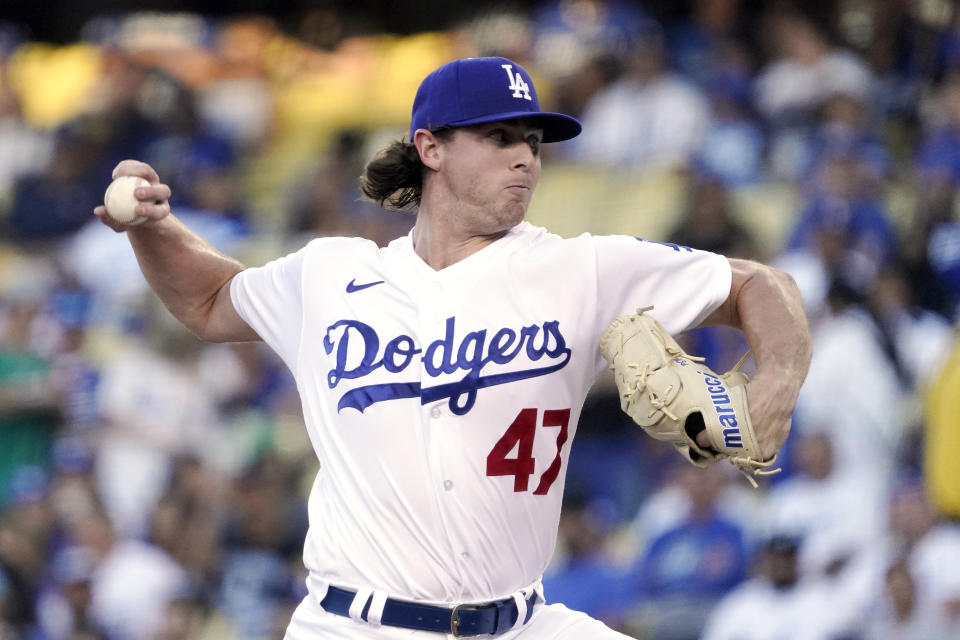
[(557, 127)]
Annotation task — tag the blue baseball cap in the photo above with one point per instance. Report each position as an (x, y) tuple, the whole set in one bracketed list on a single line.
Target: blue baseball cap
[(477, 90)]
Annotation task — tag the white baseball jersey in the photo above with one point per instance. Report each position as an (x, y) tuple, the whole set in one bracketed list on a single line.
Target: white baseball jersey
[(442, 404)]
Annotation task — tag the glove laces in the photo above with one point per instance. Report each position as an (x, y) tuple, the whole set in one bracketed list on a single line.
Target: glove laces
[(658, 402), (750, 467)]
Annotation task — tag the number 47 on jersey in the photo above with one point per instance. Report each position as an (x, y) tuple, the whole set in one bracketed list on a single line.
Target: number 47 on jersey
[(520, 435)]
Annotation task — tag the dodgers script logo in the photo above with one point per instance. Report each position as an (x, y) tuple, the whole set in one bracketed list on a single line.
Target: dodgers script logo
[(475, 353), (520, 88)]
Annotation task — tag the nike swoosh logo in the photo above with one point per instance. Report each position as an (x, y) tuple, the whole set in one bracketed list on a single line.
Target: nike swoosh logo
[(352, 286)]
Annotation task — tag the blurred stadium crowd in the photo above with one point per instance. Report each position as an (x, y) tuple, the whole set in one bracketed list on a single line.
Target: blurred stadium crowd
[(153, 487)]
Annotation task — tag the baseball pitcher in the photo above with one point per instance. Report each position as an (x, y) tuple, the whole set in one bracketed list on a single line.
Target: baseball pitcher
[(442, 376)]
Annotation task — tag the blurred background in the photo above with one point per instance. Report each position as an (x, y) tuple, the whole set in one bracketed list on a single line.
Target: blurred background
[(153, 487)]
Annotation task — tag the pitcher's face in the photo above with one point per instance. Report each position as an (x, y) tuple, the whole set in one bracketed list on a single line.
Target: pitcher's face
[(492, 169)]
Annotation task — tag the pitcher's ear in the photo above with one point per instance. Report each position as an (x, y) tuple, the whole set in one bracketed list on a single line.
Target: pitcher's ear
[(428, 146)]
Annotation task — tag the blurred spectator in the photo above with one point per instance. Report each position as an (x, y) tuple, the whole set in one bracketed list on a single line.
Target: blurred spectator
[(23, 149), (928, 543), (686, 569), (29, 409), (838, 516), (238, 105), (920, 339), (322, 26), (899, 614), (650, 117), (845, 126), (133, 583), (26, 532), (503, 32), (898, 40), (939, 150), (57, 201), (911, 517), (114, 117), (187, 532), (153, 409), (243, 376), (671, 504), (697, 42), (848, 359), (568, 34), (823, 496), (805, 69), (734, 145), (778, 603), (804, 73), (844, 224), (64, 606), (581, 46), (139, 111), (764, 607), (74, 373), (709, 223), (930, 246), (262, 539), (845, 574), (73, 493), (193, 159), (938, 548)]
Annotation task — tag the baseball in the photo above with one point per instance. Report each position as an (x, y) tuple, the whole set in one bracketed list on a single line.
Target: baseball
[(119, 199)]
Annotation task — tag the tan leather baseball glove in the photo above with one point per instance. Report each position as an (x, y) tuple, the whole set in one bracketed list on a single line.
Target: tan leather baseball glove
[(674, 396)]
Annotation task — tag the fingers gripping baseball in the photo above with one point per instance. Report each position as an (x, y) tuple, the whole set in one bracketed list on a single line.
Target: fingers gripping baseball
[(130, 202)]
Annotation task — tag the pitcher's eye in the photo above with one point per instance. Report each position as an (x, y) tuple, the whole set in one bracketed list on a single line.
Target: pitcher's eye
[(498, 135), (534, 142)]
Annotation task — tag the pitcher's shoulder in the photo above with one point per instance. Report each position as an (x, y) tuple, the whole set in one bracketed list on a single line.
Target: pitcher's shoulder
[(339, 248)]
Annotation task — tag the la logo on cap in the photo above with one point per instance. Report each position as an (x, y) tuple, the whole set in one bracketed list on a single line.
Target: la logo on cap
[(520, 88)]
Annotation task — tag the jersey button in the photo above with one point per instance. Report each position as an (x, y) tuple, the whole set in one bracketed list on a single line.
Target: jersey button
[(448, 484), (465, 555), (435, 412)]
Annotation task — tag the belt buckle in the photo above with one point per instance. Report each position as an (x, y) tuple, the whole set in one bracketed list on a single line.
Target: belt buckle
[(455, 621)]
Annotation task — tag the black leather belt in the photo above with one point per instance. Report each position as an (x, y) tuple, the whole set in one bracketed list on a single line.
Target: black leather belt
[(463, 621)]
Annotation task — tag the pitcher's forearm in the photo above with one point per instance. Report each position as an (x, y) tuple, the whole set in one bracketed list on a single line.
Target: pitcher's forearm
[(766, 305), (188, 275), (184, 271), (773, 321)]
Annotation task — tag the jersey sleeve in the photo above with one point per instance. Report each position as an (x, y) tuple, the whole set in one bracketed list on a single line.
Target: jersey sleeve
[(269, 299), (683, 285)]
